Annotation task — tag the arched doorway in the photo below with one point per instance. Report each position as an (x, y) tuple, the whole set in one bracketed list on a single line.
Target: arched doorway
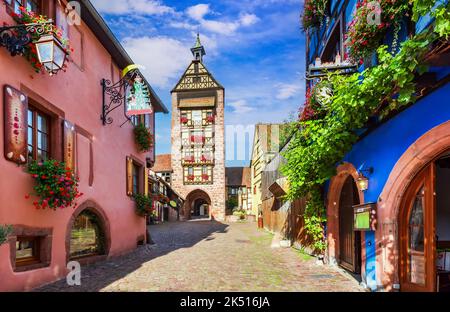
[(349, 240), (87, 232), (424, 222), (197, 205)]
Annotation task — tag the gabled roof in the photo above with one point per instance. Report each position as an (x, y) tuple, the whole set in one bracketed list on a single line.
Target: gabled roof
[(163, 163), (194, 81)]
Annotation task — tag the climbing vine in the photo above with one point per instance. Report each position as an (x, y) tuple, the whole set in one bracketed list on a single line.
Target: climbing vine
[(322, 143), (4, 232)]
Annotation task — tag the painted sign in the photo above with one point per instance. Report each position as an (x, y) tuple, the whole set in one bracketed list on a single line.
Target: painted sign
[(69, 144), (138, 97), (16, 125), (365, 217), (198, 102)]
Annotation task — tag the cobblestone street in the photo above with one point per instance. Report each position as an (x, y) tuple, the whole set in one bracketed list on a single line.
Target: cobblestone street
[(210, 256)]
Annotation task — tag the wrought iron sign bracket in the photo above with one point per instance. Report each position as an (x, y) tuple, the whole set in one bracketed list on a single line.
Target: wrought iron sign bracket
[(132, 86), (16, 38), (113, 98), (319, 72)]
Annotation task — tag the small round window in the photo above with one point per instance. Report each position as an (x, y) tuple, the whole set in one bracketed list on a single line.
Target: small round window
[(87, 236)]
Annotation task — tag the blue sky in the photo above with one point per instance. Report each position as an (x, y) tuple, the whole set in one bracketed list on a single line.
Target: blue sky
[(255, 49)]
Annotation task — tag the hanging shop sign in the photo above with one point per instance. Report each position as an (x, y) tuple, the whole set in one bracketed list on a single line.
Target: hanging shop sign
[(365, 217), (132, 91), (173, 204), (16, 125), (138, 97), (69, 144)]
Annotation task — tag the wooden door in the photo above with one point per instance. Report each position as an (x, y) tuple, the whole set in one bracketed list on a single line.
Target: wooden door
[(417, 234), (349, 240)]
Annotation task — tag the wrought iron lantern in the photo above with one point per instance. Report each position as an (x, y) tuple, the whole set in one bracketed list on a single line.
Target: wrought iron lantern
[(363, 182), (51, 53)]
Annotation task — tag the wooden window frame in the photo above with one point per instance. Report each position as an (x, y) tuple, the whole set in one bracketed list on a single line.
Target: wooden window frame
[(36, 257), (141, 172), (35, 132)]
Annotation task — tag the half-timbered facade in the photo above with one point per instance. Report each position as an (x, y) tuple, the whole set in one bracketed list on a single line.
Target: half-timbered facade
[(198, 154)]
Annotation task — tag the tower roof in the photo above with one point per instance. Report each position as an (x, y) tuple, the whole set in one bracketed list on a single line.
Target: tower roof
[(198, 51)]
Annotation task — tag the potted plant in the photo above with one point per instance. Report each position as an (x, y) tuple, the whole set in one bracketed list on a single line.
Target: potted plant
[(56, 185), (314, 12), (144, 205), (143, 138)]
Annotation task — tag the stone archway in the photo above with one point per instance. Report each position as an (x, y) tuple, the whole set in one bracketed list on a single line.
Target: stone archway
[(425, 150), (333, 198), (92, 208), (197, 202)]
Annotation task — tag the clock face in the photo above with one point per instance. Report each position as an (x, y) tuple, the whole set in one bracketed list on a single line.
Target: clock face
[(323, 94)]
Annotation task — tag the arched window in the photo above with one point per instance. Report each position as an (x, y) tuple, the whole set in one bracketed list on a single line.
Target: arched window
[(87, 236)]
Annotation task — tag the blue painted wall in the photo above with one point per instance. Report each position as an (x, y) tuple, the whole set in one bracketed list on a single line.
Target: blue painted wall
[(382, 148)]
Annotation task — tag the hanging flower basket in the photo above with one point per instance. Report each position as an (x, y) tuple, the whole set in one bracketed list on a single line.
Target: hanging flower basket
[(365, 33), (143, 137), (29, 17), (314, 12), (144, 205), (56, 185)]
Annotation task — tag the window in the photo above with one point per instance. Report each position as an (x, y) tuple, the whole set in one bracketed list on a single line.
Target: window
[(27, 250), (30, 5), (136, 169), (38, 135), (190, 170)]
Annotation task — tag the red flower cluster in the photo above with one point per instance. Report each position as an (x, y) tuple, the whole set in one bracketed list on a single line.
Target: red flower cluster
[(56, 185), (210, 119), (366, 31), (190, 177), (28, 17), (184, 120), (205, 177), (313, 13)]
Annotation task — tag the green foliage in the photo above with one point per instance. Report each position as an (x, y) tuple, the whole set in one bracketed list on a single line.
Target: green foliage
[(144, 205), (288, 128), (56, 186), (143, 137), (5, 230), (239, 213), (232, 203), (315, 151)]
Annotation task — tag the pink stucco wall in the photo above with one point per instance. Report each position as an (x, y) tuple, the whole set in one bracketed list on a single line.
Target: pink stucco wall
[(78, 93)]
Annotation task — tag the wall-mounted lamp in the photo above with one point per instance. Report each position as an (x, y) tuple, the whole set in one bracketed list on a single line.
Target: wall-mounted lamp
[(363, 181), (51, 53)]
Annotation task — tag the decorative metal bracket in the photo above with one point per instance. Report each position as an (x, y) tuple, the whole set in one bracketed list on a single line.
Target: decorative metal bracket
[(319, 72), (116, 94), (16, 38)]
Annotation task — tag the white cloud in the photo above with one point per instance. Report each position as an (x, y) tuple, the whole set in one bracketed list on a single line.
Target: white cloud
[(248, 19), (197, 12), (287, 91), (146, 7), (228, 27), (241, 106), (164, 58)]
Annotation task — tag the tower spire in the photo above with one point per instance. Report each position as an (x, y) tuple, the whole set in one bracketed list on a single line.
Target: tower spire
[(198, 50)]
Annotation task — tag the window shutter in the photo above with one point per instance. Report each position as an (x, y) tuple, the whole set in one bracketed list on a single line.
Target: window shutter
[(145, 181), (16, 125), (69, 144), (129, 176)]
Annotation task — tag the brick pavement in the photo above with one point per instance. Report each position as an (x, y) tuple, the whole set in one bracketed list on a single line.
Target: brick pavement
[(210, 256)]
